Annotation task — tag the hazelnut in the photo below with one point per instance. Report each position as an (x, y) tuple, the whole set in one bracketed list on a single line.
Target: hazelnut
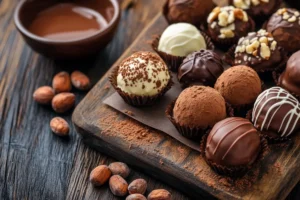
[(63, 102), (62, 82), (44, 95), (160, 194), (118, 185), (119, 168), (59, 126), (138, 186), (136, 197), (100, 175), (80, 80)]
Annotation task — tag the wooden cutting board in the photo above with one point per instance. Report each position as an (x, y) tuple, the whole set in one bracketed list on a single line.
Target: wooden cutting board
[(163, 157)]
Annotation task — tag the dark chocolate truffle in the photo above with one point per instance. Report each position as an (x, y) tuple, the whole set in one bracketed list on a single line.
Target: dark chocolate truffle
[(199, 107), (200, 68), (226, 25), (285, 28), (239, 85), (260, 51), (290, 78), (276, 113), (191, 11), (233, 142)]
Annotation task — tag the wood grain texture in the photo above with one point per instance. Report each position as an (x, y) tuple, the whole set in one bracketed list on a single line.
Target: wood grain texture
[(34, 163)]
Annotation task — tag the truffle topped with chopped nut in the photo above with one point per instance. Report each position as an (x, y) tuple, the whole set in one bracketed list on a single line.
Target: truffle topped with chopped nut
[(259, 50), (285, 27), (227, 24)]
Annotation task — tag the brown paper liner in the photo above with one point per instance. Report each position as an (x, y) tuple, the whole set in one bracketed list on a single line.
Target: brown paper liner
[(135, 100), (174, 62), (188, 132), (238, 171), (276, 76)]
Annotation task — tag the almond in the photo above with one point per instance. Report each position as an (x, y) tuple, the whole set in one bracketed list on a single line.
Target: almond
[(59, 126), (100, 175), (62, 82), (119, 168), (80, 80), (118, 185), (138, 186), (63, 102), (44, 95), (160, 194), (136, 197)]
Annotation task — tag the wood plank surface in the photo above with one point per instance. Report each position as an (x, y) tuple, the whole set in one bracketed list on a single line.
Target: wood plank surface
[(35, 164)]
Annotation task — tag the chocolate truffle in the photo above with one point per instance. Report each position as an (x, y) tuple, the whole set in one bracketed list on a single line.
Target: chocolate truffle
[(143, 74), (226, 25), (290, 78), (260, 51), (199, 107), (191, 11), (200, 68), (239, 85), (181, 39), (233, 142), (276, 112)]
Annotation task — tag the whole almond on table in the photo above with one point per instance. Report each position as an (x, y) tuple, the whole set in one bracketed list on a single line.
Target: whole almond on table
[(63, 102), (118, 186), (100, 175), (136, 197), (62, 82), (80, 80), (119, 168), (44, 95), (138, 186), (160, 194), (59, 126)]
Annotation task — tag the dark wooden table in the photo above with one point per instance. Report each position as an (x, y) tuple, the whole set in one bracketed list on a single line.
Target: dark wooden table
[(34, 163)]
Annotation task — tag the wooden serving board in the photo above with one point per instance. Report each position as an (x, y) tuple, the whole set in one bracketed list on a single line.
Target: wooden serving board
[(163, 157)]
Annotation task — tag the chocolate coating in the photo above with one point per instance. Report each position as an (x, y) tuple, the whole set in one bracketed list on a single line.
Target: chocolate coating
[(284, 26), (233, 142), (199, 107), (290, 78), (200, 68), (276, 112), (191, 11), (293, 3)]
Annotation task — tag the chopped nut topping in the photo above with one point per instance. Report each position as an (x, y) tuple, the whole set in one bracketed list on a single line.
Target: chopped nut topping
[(265, 51), (289, 15), (292, 19)]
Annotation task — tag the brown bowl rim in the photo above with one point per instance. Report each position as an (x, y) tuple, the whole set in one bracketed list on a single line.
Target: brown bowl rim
[(26, 32)]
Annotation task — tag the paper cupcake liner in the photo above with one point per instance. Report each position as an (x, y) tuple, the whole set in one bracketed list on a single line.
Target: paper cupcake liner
[(135, 100), (174, 62), (188, 132), (276, 76), (238, 171)]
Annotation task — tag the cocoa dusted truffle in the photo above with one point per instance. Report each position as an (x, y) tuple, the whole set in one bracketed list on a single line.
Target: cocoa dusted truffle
[(226, 25), (200, 107), (284, 25), (260, 51), (233, 142), (290, 78), (191, 11), (200, 68), (239, 85), (276, 113)]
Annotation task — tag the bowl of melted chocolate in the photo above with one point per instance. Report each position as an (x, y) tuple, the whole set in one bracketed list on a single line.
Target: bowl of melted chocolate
[(68, 29)]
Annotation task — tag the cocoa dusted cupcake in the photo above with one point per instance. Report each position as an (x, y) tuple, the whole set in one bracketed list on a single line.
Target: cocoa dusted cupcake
[(232, 146), (226, 25), (141, 78), (240, 86), (196, 110), (284, 25)]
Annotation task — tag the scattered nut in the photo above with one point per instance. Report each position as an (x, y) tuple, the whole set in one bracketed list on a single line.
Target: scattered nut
[(160, 194), (63, 102), (238, 13), (265, 51), (44, 95), (119, 168), (59, 126), (118, 185), (80, 80), (62, 82), (100, 175), (136, 197), (138, 186)]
